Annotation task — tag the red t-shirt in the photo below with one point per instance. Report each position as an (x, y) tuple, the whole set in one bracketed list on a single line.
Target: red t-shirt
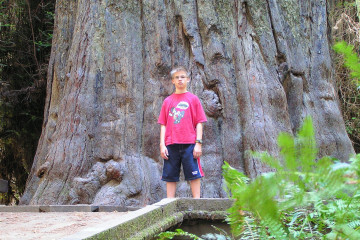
[(180, 113)]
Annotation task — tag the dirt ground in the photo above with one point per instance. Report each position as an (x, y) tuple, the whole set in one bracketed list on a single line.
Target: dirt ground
[(49, 225)]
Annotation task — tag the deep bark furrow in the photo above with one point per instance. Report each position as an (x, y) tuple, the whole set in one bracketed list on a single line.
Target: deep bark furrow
[(280, 56)]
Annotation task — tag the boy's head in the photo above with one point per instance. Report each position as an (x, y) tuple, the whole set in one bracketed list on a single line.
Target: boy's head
[(179, 69), (180, 78)]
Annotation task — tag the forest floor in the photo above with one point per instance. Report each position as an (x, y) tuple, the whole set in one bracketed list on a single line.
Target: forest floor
[(49, 225)]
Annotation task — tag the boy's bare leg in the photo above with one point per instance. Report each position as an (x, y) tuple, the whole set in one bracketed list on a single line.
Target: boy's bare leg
[(170, 189), (195, 188)]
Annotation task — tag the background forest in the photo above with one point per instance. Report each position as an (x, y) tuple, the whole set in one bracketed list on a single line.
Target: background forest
[(25, 43)]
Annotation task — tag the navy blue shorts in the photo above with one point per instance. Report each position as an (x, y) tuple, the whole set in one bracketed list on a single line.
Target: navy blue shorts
[(181, 154)]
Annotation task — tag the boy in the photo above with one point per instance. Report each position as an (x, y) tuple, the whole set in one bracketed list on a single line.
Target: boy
[(181, 119)]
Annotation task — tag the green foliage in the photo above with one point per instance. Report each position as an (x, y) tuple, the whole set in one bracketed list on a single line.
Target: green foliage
[(351, 59), (177, 233), (305, 198), (209, 236), (345, 18), (25, 44)]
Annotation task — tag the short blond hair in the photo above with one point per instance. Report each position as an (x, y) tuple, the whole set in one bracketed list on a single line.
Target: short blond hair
[(178, 69)]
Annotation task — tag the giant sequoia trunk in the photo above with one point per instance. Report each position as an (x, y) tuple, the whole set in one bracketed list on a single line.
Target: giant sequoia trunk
[(259, 67)]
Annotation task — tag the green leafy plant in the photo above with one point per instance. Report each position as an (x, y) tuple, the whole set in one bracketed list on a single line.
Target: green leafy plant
[(177, 233), (304, 198), (223, 235), (352, 61), (346, 27)]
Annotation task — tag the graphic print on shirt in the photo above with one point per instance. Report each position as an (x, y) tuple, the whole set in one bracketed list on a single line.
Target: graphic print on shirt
[(178, 112)]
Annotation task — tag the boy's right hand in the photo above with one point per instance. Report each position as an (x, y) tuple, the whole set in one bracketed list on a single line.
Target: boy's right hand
[(164, 152)]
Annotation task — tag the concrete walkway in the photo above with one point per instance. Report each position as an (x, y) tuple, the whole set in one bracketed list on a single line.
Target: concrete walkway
[(54, 221), (104, 222), (50, 225)]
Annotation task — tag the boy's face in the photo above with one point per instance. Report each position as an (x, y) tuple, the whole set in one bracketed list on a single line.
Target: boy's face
[(180, 80)]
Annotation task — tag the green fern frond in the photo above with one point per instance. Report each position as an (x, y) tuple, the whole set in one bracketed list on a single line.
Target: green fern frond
[(346, 232), (233, 178), (305, 145), (275, 228), (326, 190), (250, 229), (355, 164), (178, 232), (352, 61), (354, 224), (287, 145)]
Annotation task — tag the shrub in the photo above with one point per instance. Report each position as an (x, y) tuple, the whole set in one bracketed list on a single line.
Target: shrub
[(304, 198)]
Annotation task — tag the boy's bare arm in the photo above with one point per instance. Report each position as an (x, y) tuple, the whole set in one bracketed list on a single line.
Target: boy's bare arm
[(163, 150), (197, 149)]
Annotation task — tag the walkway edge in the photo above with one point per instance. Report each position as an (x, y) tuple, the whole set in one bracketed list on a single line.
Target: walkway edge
[(147, 222)]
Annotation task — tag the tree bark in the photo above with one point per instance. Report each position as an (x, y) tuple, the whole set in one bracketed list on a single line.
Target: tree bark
[(259, 67)]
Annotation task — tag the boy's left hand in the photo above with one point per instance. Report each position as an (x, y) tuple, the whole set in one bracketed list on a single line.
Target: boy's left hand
[(197, 151)]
